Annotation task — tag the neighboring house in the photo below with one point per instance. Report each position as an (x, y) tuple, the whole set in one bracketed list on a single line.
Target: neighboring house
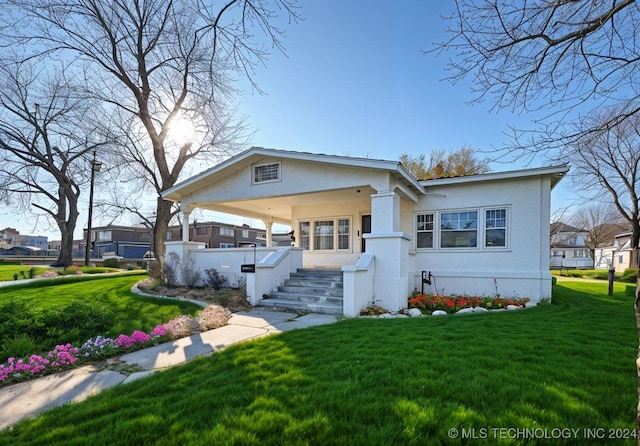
[(480, 235), (129, 242), (11, 237), (617, 256), (569, 247), (218, 235)]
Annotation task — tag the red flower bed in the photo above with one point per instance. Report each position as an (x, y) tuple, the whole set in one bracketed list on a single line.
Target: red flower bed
[(428, 303)]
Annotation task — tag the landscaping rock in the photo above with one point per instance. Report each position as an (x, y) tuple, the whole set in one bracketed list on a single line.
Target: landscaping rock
[(465, 310), (513, 307), (531, 304), (414, 312), (438, 313), (480, 310), (386, 316)]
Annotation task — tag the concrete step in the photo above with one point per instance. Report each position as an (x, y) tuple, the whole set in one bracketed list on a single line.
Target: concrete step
[(309, 298), (301, 306), (311, 289), (317, 277), (315, 283)]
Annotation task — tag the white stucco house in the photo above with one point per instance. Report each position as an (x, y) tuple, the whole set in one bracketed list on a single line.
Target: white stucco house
[(379, 227)]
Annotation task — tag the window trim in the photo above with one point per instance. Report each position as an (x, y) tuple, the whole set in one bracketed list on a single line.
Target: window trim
[(432, 230), (310, 237), (254, 167), (481, 229), (226, 228)]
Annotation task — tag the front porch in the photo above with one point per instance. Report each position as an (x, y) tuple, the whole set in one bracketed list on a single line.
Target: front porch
[(344, 213)]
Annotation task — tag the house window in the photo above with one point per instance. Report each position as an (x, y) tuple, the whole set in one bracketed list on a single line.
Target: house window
[(495, 228), (227, 245), (103, 235), (424, 230), (169, 235), (245, 233), (459, 229), (328, 234), (323, 235), (304, 235), (201, 230), (343, 234), (266, 172), (226, 232), (582, 253), (620, 259)]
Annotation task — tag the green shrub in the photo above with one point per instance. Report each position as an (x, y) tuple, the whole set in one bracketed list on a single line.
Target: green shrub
[(598, 274), (20, 346), (78, 321), (630, 275), (111, 263)]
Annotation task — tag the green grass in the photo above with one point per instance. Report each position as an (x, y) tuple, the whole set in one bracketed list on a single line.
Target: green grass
[(128, 311), (569, 364), (7, 271)]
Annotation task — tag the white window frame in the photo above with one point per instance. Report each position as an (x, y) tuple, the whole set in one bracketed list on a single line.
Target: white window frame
[(309, 239), (227, 245), (432, 230), (481, 229), (486, 227), (256, 177), (227, 232), (475, 229)]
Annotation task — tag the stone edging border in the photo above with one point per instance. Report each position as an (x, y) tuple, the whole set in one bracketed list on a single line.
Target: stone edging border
[(415, 312)]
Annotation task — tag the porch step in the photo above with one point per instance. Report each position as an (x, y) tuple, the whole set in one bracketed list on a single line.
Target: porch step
[(309, 290)]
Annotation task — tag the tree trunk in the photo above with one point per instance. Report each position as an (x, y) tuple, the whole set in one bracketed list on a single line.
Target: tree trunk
[(67, 228), (163, 217)]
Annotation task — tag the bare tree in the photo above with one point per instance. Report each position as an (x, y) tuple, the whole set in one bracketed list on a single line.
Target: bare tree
[(560, 58), (564, 59), (43, 148), (150, 65), (608, 162), (442, 164), (602, 220)]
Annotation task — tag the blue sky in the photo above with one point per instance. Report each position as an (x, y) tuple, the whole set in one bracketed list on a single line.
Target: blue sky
[(355, 81)]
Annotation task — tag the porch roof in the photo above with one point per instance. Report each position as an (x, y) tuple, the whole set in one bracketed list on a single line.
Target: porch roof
[(277, 207)]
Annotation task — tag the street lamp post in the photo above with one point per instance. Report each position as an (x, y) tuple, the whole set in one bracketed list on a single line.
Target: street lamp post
[(95, 167)]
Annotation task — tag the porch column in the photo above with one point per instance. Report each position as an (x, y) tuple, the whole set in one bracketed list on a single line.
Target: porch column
[(385, 212), (390, 247), (185, 225), (269, 225)]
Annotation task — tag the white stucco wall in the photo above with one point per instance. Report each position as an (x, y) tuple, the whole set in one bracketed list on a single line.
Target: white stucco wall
[(520, 270)]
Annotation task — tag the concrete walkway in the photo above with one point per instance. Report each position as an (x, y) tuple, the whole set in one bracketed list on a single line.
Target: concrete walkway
[(29, 398)]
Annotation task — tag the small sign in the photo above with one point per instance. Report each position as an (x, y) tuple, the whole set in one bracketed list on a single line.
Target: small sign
[(248, 268)]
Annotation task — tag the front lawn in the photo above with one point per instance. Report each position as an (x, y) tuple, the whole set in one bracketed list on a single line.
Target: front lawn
[(74, 309), (546, 370)]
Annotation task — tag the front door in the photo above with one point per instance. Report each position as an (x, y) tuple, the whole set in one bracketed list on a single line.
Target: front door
[(366, 229)]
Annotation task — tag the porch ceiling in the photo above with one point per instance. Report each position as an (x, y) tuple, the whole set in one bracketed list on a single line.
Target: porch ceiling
[(279, 209)]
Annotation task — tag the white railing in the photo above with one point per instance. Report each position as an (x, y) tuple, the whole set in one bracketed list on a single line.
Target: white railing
[(271, 270), (358, 285)]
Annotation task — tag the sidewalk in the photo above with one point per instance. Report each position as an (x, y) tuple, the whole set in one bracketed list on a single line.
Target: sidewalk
[(29, 398)]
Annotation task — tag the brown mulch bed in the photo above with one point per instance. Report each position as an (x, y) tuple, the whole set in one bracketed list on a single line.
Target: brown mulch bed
[(230, 298)]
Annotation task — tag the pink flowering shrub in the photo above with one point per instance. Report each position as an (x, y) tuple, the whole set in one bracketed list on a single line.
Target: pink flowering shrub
[(63, 357), (137, 337)]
